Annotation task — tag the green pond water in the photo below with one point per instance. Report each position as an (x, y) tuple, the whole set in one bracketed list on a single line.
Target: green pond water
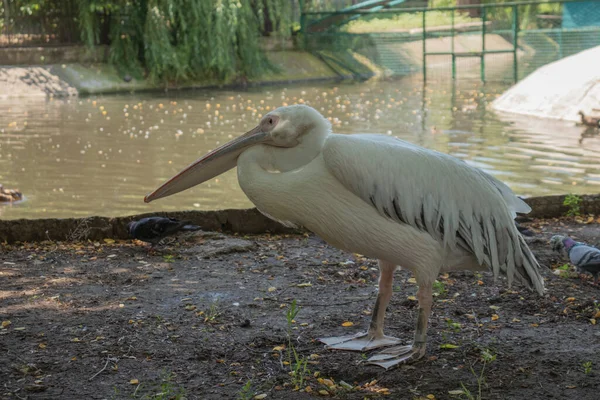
[(100, 155)]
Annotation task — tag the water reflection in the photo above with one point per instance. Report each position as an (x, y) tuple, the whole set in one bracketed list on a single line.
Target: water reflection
[(100, 156)]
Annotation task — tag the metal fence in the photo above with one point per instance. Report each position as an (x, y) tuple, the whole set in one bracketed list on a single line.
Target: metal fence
[(26, 25), (495, 41)]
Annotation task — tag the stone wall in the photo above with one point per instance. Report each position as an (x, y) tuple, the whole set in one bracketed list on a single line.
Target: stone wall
[(52, 55), (232, 221)]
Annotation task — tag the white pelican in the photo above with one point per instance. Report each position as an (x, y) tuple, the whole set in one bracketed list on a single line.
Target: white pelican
[(379, 196)]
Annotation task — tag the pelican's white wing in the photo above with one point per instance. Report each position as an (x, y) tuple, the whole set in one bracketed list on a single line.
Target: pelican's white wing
[(459, 205)]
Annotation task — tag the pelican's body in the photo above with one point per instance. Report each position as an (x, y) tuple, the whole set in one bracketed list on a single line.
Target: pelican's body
[(312, 197), (379, 196)]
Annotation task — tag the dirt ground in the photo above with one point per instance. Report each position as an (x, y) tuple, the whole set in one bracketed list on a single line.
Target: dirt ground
[(205, 318)]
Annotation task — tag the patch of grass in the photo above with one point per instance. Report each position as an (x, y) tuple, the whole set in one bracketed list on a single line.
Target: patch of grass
[(164, 389), (169, 258), (211, 315), (564, 270), (573, 202), (454, 326), (246, 393), (439, 288), (405, 21), (487, 357), (587, 367), (298, 364)]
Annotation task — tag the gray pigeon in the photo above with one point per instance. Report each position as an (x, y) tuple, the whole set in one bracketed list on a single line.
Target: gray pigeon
[(585, 258), (154, 229)]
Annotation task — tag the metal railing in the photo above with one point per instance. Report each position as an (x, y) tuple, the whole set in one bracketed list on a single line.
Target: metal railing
[(22, 26), (530, 33)]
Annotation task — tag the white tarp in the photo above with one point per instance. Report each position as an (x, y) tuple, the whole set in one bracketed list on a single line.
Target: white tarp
[(558, 90)]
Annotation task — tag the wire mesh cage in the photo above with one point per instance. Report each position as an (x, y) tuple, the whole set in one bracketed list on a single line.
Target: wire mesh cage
[(490, 41)]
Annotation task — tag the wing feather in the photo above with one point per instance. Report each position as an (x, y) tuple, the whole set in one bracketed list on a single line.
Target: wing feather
[(457, 204)]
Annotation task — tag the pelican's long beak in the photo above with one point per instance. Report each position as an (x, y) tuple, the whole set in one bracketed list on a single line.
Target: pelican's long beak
[(213, 164)]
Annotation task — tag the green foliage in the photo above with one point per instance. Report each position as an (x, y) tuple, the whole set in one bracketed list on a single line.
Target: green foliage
[(164, 389), (176, 40), (439, 288), (246, 393), (487, 357), (394, 22), (528, 14), (564, 270), (573, 202), (298, 364), (587, 367), (454, 326)]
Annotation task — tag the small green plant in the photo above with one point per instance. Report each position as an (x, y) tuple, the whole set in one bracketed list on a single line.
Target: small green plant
[(455, 326), (246, 393), (573, 202), (587, 367), (169, 258), (166, 389), (298, 365), (487, 357), (212, 313), (564, 270), (439, 288)]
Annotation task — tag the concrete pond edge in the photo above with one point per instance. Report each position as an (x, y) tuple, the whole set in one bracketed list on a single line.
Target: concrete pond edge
[(247, 221)]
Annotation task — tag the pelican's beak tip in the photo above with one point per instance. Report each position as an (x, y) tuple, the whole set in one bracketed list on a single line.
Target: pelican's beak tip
[(147, 198)]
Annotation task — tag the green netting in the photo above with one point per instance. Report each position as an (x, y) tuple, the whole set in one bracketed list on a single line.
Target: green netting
[(467, 43)]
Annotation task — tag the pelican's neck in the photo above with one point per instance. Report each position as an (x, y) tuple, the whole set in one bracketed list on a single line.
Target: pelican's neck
[(287, 159), (284, 159)]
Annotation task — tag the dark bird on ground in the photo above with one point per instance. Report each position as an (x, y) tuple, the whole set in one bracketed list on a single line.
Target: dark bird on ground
[(154, 229), (589, 120), (586, 258), (523, 230)]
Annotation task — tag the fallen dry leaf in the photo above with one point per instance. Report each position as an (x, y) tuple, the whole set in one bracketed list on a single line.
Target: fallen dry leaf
[(326, 382), (348, 323), (495, 317), (134, 381), (6, 324)]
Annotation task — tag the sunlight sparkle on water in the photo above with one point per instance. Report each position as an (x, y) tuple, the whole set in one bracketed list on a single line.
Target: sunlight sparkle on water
[(100, 156)]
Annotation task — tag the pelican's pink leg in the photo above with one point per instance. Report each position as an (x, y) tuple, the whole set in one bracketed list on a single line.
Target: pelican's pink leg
[(399, 354), (375, 337)]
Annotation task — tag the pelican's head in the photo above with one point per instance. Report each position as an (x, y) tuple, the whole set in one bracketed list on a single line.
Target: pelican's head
[(284, 127)]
